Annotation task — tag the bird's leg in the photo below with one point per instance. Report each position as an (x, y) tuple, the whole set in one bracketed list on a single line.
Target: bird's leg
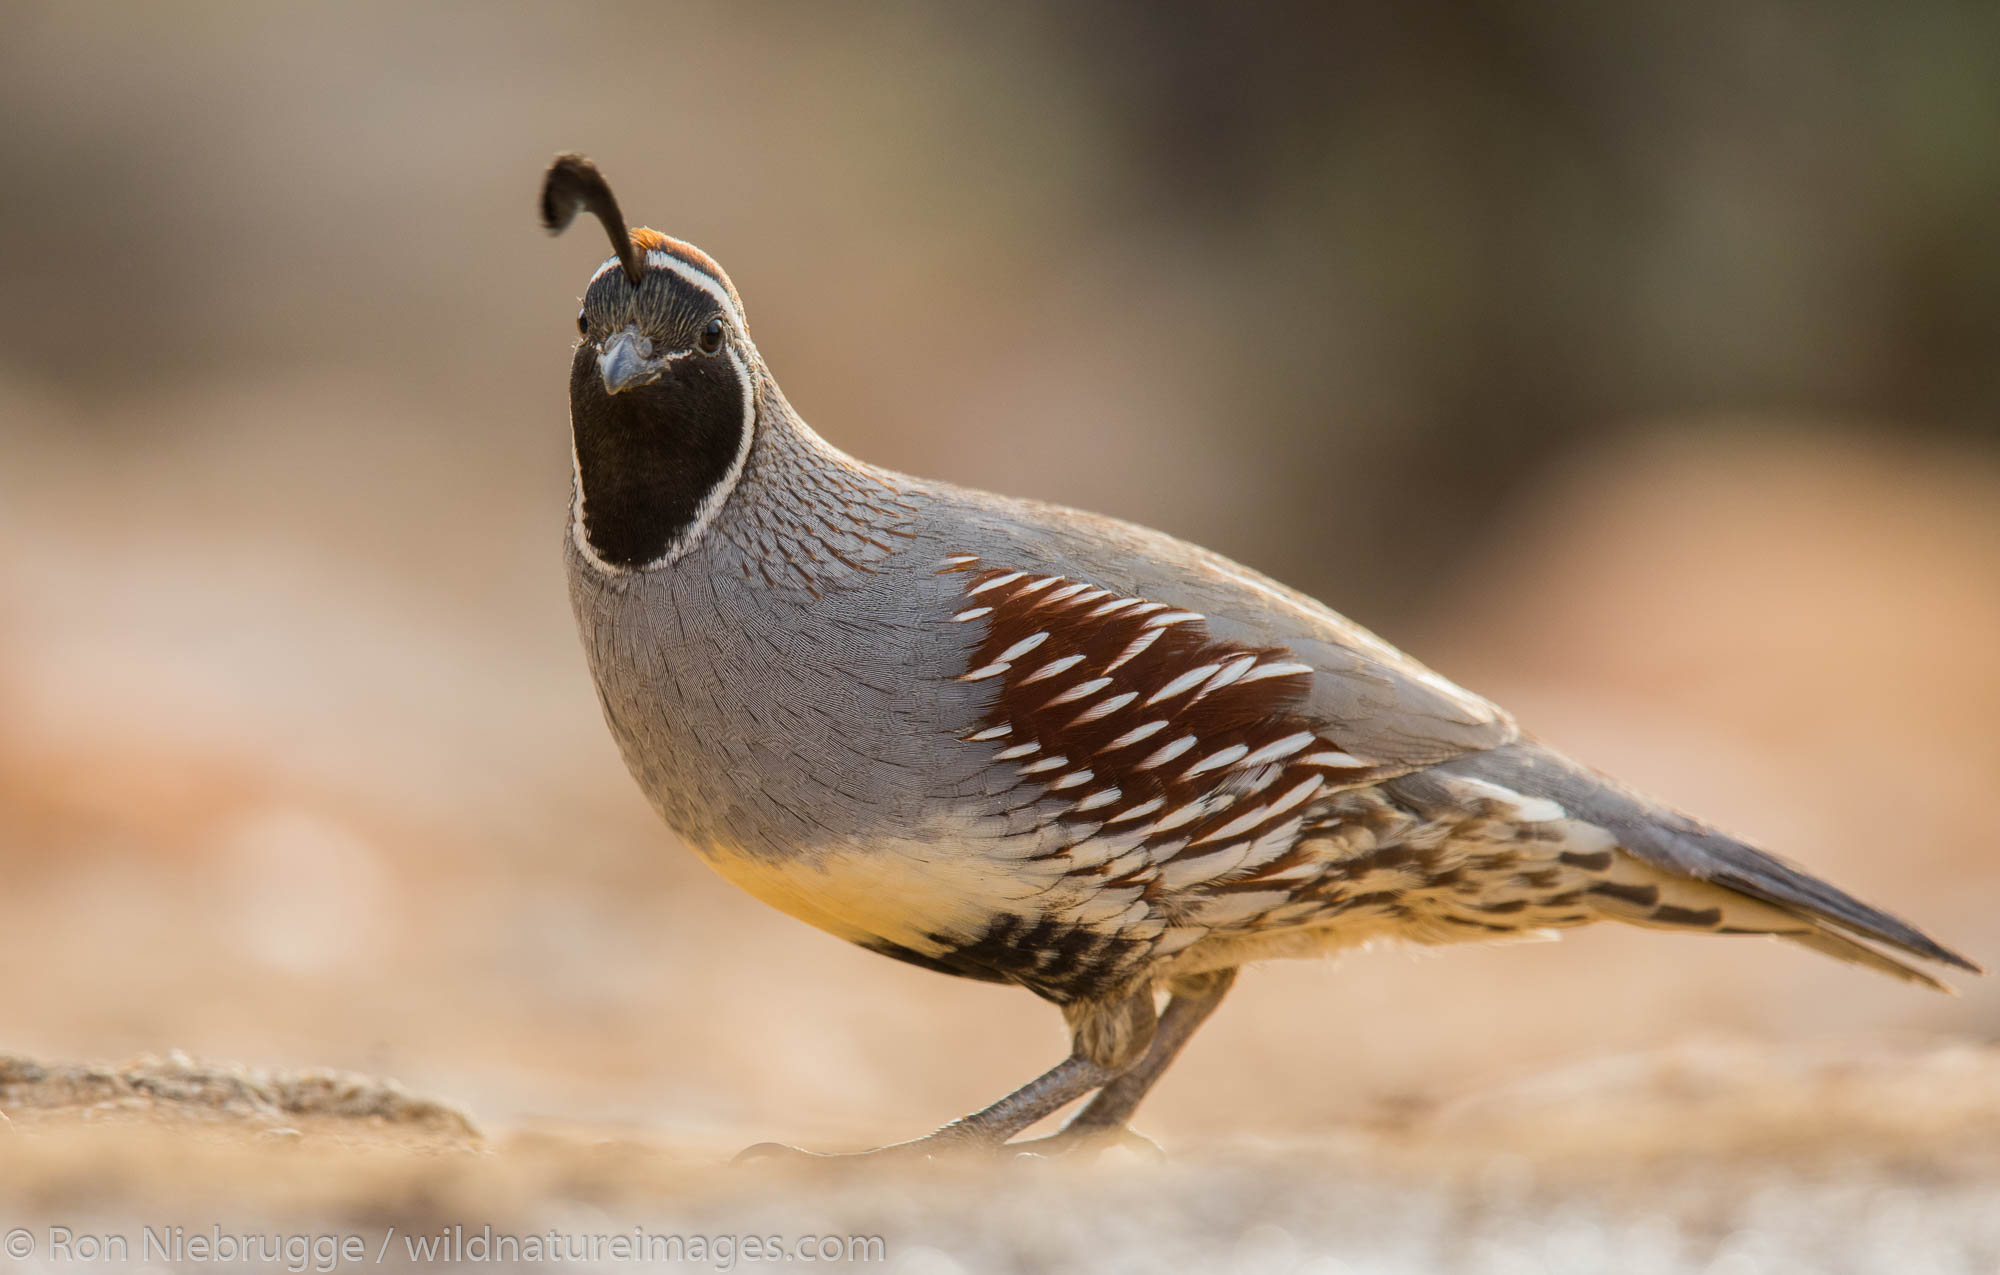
[(1103, 1121), (1055, 1088), (1105, 1038)]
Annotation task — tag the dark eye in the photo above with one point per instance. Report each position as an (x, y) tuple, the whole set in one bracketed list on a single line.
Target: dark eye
[(710, 339), (582, 324)]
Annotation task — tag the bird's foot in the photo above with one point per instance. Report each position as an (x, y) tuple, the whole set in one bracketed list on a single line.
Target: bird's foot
[(1077, 1141), (1085, 1142), (985, 1131)]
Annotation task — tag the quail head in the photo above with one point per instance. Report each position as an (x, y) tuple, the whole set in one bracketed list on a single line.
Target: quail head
[(1019, 743)]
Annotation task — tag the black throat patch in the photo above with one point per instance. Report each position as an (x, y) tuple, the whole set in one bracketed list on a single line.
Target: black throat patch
[(650, 457)]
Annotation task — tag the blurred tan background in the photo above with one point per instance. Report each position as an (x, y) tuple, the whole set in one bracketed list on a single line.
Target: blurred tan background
[(1637, 366)]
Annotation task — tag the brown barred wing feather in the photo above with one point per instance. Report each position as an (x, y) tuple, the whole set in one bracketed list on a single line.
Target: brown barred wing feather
[(1174, 762)]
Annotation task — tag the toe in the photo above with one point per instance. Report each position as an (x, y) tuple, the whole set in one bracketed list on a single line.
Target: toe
[(1087, 1142), (936, 1146)]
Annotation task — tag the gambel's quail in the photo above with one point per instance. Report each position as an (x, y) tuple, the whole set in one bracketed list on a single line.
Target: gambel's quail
[(1024, 744)]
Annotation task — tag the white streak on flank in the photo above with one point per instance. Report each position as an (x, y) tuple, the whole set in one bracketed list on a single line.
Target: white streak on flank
[(1527, 809), (1102, 797), (1199, 869), (1046, 763), (1272, 752), (1067, 591), (1276, 841), (1173, 617), (1079, 691), (1255, 779), (1036, 587), (1134, 735), (1220, 757), (1139, 811), (1018, 750), (1336, 760), (1073, 779), (1104, 708), (1101, 909), (973, 614), (995, 582), (991, 732), (1111, 607), (1138, 912), (981, 674), (1052, 668), (1185, 682), (1236, 827), (1092, 852), (1231, 671), (1294, 875), (1162, 851), (1251, 818), (1287, 668), (1147, 608), (1084, 599), (961, 559), (1126, 864), (1023, 646), (1192, 811), (1133, 647), (1235, 907), (1167, 754)]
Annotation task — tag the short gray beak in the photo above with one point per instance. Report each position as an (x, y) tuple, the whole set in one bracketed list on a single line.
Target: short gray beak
[(625, 360)]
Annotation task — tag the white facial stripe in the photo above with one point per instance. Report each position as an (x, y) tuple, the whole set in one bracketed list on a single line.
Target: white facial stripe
[(698, 278), (576, 509)]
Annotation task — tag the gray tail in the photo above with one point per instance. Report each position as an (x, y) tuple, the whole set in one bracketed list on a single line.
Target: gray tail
[(1680, 871)]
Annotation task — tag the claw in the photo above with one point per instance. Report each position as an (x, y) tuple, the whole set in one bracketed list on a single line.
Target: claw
[(1087, 1142), (926, 1148)]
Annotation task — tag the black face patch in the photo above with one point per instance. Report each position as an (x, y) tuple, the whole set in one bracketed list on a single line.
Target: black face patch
[(649, 457)]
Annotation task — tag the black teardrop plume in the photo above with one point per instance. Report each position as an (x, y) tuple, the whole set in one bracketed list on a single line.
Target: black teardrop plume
[(573, 183)]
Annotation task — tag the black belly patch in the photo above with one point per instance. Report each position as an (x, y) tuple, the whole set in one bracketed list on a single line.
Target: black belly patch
[(935, 964), (1056, 960)]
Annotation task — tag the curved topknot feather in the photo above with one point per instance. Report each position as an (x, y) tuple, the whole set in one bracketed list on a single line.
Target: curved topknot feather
[(572, 184)]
